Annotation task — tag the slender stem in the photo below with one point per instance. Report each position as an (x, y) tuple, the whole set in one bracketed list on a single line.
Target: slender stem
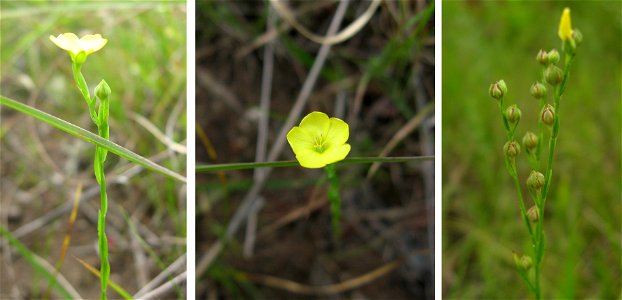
[(98, 169), (101, 226), (335, 201), (540, 133), (505, 119), (521, 203), (541, 200), (294, 163), (84, 90), (539, 245)]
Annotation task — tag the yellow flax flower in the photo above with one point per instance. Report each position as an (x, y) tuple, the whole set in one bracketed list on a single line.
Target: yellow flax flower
[(565, 27), (319, 141), (74, 45)]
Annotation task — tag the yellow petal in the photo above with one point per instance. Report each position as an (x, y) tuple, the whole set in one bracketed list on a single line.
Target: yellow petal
[(92, 43), (316, 123), (70, 42), (338, 132), (335, 154), (309, 158), (565, 26), (298, 138), (67, 41)]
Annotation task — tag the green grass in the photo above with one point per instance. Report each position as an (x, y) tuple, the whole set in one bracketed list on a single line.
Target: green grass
[(144, 63), (487, 41)]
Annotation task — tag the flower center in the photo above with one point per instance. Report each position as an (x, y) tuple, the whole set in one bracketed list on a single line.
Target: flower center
[(319, 143)]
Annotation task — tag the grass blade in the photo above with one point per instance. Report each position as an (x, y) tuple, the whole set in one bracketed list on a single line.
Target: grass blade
[(294, 163), (89, 137), (37, 264), (117, 288)]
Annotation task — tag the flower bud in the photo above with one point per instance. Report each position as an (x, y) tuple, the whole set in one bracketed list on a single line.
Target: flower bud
[(511, 149), (513, 114), (523, 262), (553, 75), (538, 90), (542, 58), (548, 115), (535, 181), (498, 89), (553, 56), (533, 214), (102, 90), (530, 141), (577, 36)]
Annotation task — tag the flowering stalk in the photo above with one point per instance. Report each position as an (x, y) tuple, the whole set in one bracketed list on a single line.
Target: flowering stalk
[(319, 142), (538, 184), (334, 200), (79, 49)]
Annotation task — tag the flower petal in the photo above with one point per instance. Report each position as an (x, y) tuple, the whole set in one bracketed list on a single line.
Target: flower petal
[(309, 158), (298, 138), (316, 123), (92, 42), (335, 154), (338, 132), (66, 41), (565, 26), (74, 45)]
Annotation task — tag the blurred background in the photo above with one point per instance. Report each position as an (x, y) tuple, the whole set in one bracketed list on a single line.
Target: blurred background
[(42, 168), (286, 253), (484, 41)]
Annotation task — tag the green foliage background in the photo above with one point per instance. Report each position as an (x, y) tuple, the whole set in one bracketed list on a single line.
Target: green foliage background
[(487, 41)]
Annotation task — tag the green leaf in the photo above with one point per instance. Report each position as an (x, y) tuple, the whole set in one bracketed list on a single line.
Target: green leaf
[(293, 163), (89, 137)]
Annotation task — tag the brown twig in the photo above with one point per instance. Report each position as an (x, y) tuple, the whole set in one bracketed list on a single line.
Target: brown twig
[(341, 287)]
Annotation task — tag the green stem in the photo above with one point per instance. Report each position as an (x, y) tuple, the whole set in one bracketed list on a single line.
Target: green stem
[(101, 121), (540, 134), (539, 245), (294, 163), (101, 229), (541, 201), (335, 201), (84, 90), (505, 120), (511, 165)]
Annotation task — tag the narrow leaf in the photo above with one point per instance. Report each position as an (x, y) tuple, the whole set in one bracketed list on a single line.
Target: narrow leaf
[(89, 137)]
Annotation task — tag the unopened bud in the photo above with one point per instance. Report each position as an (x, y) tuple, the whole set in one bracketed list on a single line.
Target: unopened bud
[(498, 89), (542, 57), (513, 114), (511, 149), (533, 214), (553, 56), (548, 115), (535, 181), (538, 90), (553, 75), (523, 262), (102, 90), (530, 141)]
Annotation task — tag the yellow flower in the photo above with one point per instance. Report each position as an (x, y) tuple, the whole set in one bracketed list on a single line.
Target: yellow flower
[(565, 28), (74, 45), (319, 141)]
